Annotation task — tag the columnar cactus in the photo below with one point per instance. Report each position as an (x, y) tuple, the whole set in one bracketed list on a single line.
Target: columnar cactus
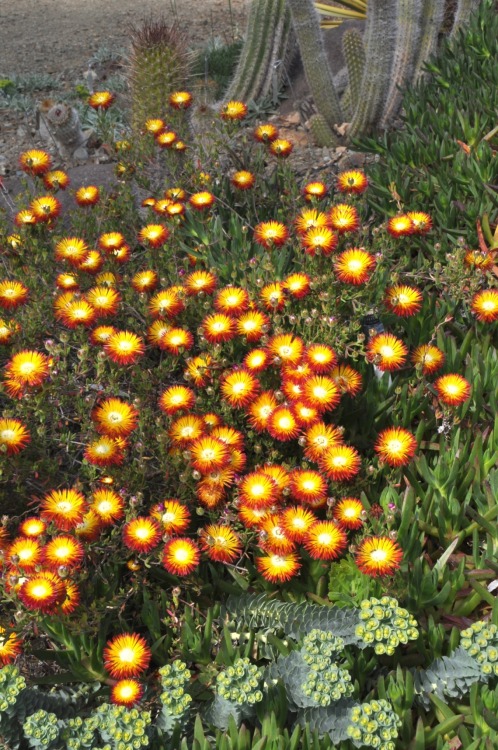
[(462, 14), (432, 20), (354, 54)]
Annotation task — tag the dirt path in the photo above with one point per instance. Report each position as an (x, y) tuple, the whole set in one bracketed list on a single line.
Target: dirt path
[(52, 36)]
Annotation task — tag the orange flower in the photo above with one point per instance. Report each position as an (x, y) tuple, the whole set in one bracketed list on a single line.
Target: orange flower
[(271, 234), (67, 281), (422, 222), (297, 521), (124, 347), (180, 556), (319, 438), (101, 100), (352, 181), (387, 352), (25, 218), (104, 300), (429, 358), (12, 294), (115, 418), (176, 398), (233, 110), (105, 451), (72, 249), (319, 238), (348, 513), (126, 655), (87, 196), (281, 147), (273, 537), (198, 370), (65, 508), (35, 161), (321, 392), (478, 259), (321, 357), (400, 226), (166, 303), (308, 486), (10, 647), (24, 553), (71, 599), (354, 266), (347, 379), (32, 527), (42, 592), (202, 200), (145, 281), (306, 415), (180, 99), (265, 133), (253, 325), (126, 693), (344, 218), (14, 436), (218, 327), (311, 218), (220, 543), (176, 341), (28, 368), (256, 360), (73, 312), (45, 208), (172, 515), (200, 281), (208, 454), (297, 284), (141, 534), (56, 180), (278, 568), (90, 527), (325, 541), (403, 300), (232, 300), (153, 235), (107, 505), (340, 463), (396, 446), (452, 389), (287, 347), (92, 262), (8, 330), (315, 190), (292, 389), (378, 556), (100, 335), (261, 410), (186, 429), (282, 424), (154, 126), (239, 388), (243, 180), (63, 550), (258, 490), (111, 241), (272, 296), (485, 305)]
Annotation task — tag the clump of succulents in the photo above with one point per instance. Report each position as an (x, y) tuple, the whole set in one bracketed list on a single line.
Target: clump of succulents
[(385, 625), (11, 684), (174, 680), (128, 727), (240, 683), (326, 681), (41, 729), (374, 724), (480, 640)]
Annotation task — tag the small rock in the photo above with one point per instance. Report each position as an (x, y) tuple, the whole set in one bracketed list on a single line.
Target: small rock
[(81, 154)]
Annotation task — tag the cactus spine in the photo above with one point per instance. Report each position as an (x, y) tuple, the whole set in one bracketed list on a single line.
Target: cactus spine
[(354, 54), (269, 41), (158, 65), (320, 130), (432, 19), (463, 13), (408, 26), (316, 67)]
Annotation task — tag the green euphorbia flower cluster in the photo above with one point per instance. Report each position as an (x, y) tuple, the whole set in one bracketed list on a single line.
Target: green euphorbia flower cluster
[(240, 683), (385, 625), (123, 728), (481, 642), (79, 733), (174, 680), (326, 681), (11, 684), (41, 729), (374, 724)]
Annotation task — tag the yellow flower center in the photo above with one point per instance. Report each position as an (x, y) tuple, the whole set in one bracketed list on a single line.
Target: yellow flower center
[(127, 655)]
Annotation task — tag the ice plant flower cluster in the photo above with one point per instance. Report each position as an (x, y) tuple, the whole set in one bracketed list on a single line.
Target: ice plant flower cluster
[(374, 724), (480, 641), (385, 625), (240, 683)]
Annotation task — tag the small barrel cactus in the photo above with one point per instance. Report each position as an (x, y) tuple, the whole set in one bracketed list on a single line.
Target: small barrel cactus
[(385, 625), (240, 683), (374, 724), (481, 642)]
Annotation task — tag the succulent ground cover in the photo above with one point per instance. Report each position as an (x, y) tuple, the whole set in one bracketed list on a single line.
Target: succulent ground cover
[(249, 444)]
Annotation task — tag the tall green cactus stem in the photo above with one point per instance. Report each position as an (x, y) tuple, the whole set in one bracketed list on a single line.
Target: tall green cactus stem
[(354, 54), (408, 28), (157, 66), (462, 14), (322, 134), (306, 24), (379, 41), (432, 20), (266, 53)]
